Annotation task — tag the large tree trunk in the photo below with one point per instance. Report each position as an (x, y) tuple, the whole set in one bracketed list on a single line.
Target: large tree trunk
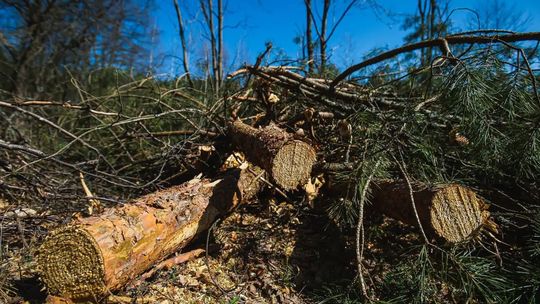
[(95, 255), (287, 160), (453, 212)]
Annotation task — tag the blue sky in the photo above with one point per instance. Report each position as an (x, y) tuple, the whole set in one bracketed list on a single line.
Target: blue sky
[(251, 23)]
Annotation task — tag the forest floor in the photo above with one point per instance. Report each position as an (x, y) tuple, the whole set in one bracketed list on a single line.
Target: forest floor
[(267, 251)]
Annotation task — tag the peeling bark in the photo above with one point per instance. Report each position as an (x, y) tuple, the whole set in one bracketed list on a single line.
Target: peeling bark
[(95, 255)]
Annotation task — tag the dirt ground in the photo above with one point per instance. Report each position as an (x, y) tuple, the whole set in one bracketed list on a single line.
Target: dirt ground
[(267, 251)]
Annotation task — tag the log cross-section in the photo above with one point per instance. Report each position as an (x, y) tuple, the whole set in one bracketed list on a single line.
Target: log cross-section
[(452, 211), (98, 254), (287, 160)]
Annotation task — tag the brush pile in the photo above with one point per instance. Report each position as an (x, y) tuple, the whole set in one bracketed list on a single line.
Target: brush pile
[(449, 152)]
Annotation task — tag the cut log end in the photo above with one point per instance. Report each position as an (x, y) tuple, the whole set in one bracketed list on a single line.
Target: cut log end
[(450, 211), (457, 213), (292, 164), (99, 254), (71, 264), (288, 161)]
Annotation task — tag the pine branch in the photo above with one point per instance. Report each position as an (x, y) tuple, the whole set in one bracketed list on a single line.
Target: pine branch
[(441, 43)]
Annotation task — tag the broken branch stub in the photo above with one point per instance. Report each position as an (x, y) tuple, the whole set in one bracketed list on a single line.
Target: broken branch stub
[(287, 160), (97, 254)]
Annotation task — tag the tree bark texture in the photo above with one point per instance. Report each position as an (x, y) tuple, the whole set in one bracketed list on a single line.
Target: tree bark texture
[(287, 160), (95, 255)]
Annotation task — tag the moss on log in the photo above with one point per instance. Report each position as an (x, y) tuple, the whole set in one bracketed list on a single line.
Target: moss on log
[(94, 255), (453, 212), (287, 160)]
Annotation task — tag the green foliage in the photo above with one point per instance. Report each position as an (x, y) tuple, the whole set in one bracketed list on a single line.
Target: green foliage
[(337, 294), (493, 105), (496, 109), (439, 275), (344, 210), (111, 136), (234, 300), (526, 271)]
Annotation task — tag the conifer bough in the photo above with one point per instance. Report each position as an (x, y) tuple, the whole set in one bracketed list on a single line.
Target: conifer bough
[(453, 212), (287, 160), (94, 255)]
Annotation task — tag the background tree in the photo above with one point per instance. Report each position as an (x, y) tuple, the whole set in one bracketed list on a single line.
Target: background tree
[(497, 14), (215, 36), (322, 29), (44, 42), (309, 40), (428, 22), (181, 33)]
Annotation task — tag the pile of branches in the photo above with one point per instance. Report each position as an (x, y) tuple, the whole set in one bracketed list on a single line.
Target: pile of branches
[(472, 117)]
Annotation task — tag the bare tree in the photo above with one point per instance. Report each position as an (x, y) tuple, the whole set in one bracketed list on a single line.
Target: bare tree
[(497, 14), (220, 41), (324, 33), (309, 41), (40, 41), (323, 38), (181, 32), (215, 37), (430, 21)]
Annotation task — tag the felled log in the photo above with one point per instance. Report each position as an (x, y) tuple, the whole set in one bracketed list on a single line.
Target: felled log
[(287, 160), (452, 211), (94, 255)]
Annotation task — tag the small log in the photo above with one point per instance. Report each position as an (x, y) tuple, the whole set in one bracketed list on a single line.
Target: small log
[(453, 212), (95, 255), (287, 160)]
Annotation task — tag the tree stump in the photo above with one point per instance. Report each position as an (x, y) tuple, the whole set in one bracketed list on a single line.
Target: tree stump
[(95, 255), (287, 160)]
